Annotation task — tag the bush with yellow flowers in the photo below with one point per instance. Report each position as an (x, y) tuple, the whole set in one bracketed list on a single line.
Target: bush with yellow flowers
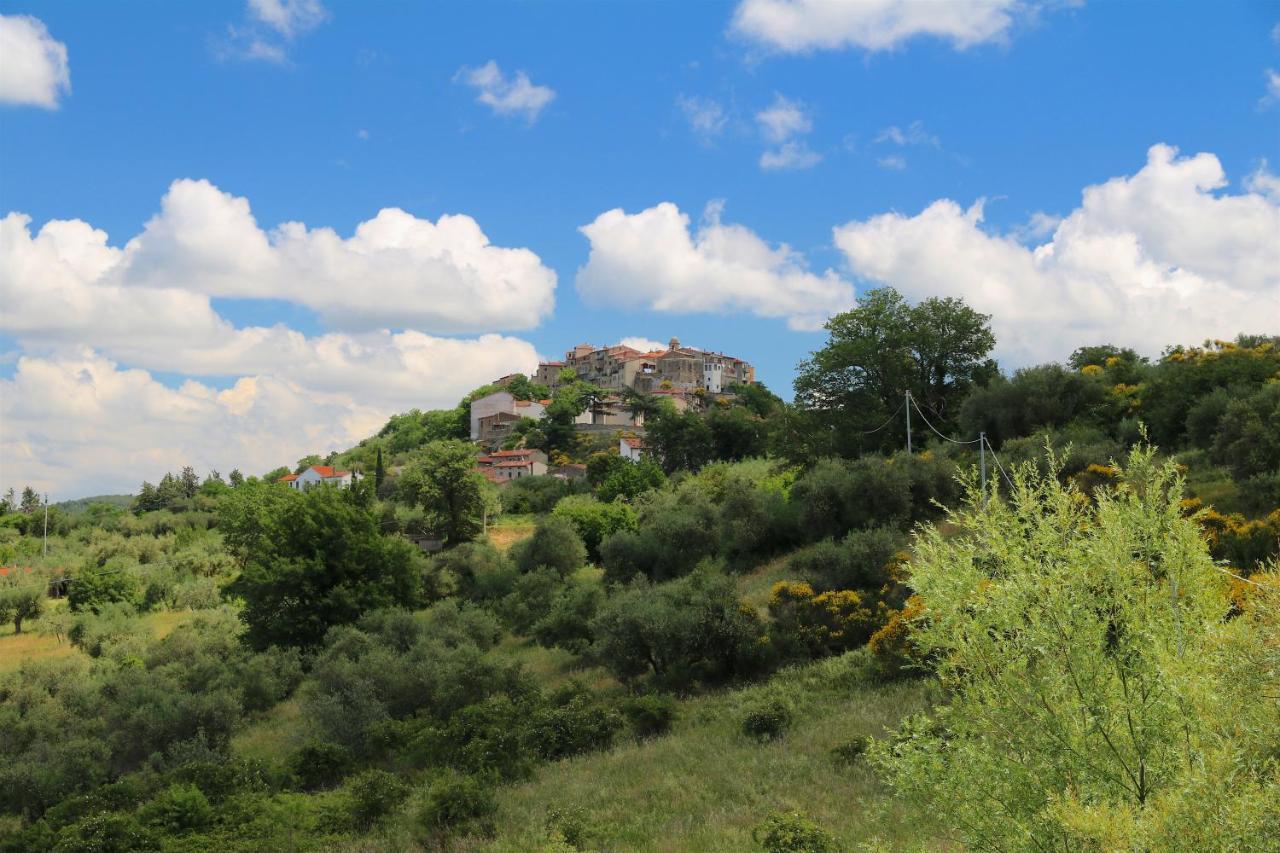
[(809, 624)]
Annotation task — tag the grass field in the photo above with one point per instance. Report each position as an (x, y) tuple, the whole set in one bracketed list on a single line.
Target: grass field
[(34, 644), (510, 529), (705, 787)]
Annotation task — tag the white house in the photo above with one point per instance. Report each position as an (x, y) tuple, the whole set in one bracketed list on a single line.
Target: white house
[(319, 474), (631, 448)]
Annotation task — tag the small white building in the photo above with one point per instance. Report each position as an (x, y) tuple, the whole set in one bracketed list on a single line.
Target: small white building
[(319, 474), (631, 449)]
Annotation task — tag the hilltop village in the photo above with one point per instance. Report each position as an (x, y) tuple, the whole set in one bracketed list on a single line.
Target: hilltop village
[(685, 376)]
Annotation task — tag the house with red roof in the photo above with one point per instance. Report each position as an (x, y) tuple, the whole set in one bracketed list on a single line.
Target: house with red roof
[(503, 466), (317, 474), (631, 448)]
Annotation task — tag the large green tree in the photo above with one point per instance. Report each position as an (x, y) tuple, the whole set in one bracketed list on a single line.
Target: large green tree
[(937, 350), (316, 560), (444, 481)]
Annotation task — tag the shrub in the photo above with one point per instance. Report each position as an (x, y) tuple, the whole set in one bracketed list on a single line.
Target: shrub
[(555, 543), (863, 560), (320, 764), (676, 532), (683, 633), (531, 599), (815, 625), (569, 826), (789, 832), (90, 589), (567, 623), (650, 715), (106, 832), (477, 570), (578, 724), (373, 794), (457, 805), (177, 809), (851, 750), (595, 520), (895, 654), (767, 721)]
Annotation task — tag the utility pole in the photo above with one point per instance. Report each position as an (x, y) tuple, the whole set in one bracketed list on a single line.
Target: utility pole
[(907, 405), (46, 525), (982, 463)]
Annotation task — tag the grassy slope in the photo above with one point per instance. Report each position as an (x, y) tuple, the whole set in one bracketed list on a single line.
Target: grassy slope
[(34, 644), (705, 787)]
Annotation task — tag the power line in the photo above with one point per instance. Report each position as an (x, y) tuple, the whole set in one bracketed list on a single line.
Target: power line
[(887, 422), (1005, 473), (912, 398)]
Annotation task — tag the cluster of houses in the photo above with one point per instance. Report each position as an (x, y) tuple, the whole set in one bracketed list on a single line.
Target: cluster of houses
[(684, 375)]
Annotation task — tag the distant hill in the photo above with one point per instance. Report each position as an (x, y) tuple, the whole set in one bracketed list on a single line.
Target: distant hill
[(80, 505)]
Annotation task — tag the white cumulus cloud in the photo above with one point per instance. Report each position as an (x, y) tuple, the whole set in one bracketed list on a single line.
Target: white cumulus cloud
[(396, 270), (82, 425), (653, 259), (93, 319), (33, 64), (514, 95), (1159, 257), (642, 344), (800, 26)]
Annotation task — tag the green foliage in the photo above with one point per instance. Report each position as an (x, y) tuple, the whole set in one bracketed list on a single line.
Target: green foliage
[(650, 714), (675, 533), (837, 495), (20, 603), (178, 809), (443, 480), (93, 589), (323, 563), (373, 676), (629, 480), (555, 543), (106, 832), (1098, 688), (535, 495), (862, 560), (476, 570), (680, 634), (851, 751), (574, 723), (681, 440), (320, 764), (767, 721), (567, 622), (877, 352), (1035, 398), (595, 520), (455, 804), (372, 795), (791, 832)]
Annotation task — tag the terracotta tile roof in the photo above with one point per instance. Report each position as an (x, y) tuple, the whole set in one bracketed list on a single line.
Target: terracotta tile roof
[(515, 463), (325, 472)]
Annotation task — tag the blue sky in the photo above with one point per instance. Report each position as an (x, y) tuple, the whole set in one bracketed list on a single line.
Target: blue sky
[(360, 107)]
